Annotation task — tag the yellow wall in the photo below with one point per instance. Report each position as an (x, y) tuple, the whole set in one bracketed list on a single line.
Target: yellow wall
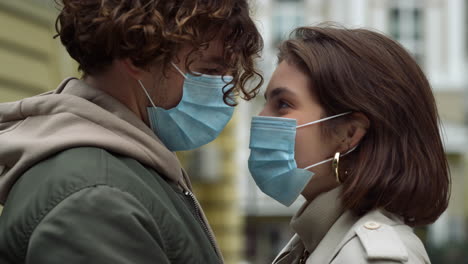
[(31, 60)]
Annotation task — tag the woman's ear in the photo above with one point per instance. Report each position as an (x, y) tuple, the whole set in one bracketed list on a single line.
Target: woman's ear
[(354, 130)]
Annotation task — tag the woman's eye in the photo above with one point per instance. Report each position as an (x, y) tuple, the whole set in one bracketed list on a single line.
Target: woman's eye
[(283, 105)]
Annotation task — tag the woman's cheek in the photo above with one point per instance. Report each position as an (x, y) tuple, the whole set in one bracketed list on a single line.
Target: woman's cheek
[(301, 149)]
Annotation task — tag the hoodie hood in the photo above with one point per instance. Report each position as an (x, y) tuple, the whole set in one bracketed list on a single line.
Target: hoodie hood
[(76, 115)]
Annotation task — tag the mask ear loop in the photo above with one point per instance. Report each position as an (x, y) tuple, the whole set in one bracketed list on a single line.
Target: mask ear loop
[(146, 92), (324, 119), (330, 159), (178, 69)]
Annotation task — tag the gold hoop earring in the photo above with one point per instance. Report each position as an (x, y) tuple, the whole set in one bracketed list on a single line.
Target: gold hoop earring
[(335, 167)]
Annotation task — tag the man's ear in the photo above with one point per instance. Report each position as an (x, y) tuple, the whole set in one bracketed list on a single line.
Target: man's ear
[(126, 65), (355, 129)]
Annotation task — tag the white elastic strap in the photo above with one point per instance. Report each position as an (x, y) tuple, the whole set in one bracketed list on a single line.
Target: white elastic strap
[(177, 68), (328, 160), (146, 92), (317, 164), (325, 119)]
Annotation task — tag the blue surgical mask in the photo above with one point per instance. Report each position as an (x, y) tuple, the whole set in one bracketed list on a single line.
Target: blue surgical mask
[(200, 116), (272, 163)]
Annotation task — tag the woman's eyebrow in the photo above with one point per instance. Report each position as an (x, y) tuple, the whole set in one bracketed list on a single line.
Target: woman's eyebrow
[(278, 91)]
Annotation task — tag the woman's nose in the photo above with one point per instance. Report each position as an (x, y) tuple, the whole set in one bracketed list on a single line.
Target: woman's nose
[(264, 112)]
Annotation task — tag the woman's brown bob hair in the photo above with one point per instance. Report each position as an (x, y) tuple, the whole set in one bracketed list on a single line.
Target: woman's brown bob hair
[(95, 32), (400, 164)]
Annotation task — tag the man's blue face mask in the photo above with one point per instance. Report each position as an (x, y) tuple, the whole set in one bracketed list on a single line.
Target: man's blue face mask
[(272, 163), (200, 116)]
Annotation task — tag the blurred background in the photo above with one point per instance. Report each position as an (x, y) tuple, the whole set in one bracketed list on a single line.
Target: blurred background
[(250, 227)]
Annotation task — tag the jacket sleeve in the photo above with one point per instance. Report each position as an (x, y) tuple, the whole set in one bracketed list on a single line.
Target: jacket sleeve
[(99, 224)]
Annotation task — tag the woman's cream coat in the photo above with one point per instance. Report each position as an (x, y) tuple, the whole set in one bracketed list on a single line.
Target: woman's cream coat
[(325, 233)]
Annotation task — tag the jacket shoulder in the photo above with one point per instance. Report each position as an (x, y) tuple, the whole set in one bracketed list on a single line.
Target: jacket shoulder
[(378, 238), (50, 181), (380, 241), (53, 179), (77, 168), (82, 218)]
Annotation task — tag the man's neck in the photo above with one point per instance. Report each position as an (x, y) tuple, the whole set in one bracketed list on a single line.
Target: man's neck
[(122, 88)]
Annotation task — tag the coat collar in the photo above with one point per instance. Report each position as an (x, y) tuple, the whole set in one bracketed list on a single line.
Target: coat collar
[(314, 219)]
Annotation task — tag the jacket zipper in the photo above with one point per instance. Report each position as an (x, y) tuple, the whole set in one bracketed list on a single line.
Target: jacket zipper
[(203, 224), (304, 257)]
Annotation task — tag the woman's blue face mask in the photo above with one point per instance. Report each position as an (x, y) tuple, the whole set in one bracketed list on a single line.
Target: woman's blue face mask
[(272, 162)]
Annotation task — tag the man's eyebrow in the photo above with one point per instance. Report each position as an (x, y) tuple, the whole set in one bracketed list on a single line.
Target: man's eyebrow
[(277, 91)]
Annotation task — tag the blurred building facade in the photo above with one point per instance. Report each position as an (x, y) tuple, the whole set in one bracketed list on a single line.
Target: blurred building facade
[(435, 32), (31, 60)]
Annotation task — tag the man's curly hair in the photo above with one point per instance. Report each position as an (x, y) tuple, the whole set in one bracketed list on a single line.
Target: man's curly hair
[(95, 32)]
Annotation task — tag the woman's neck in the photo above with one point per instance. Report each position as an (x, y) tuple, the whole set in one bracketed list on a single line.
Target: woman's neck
[(319, 184)]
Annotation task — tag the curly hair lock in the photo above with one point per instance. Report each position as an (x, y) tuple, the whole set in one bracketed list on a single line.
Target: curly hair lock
[(96, 32)]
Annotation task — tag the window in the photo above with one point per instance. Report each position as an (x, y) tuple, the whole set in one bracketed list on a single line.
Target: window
[(407, 26), (288, 14)]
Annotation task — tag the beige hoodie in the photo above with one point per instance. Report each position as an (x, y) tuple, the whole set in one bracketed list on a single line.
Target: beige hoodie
[(76, 115)]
